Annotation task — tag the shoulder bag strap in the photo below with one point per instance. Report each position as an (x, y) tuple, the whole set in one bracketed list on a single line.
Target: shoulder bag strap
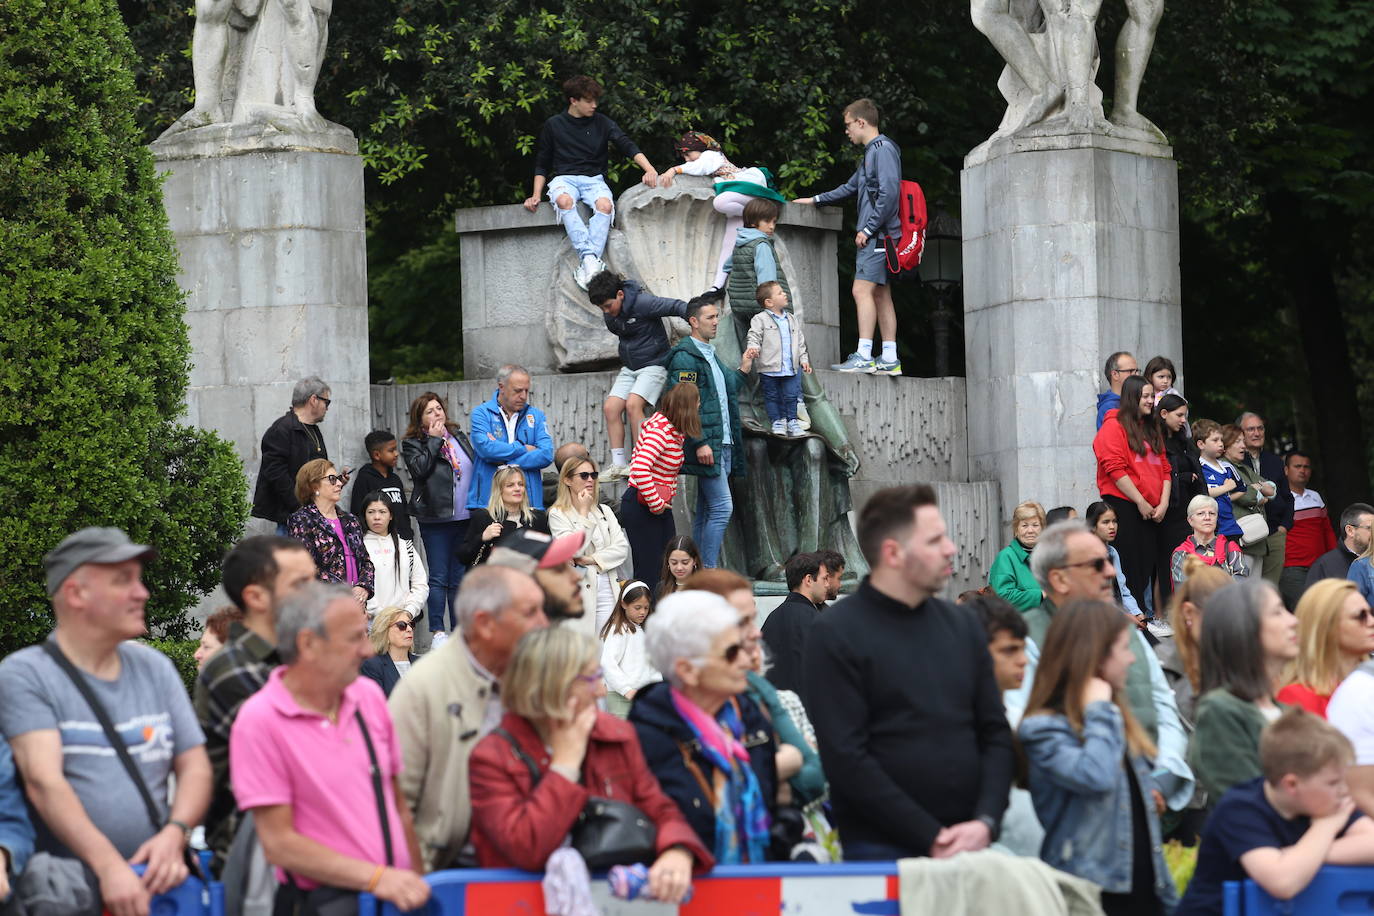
[(520, 754), (377, 787), (101, 716)]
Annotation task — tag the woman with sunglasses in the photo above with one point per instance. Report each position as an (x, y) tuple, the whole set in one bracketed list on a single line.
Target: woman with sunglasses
[(1335, 636), (710, 746), (578, 508), (553, 751), (393, 636), (333, 537)]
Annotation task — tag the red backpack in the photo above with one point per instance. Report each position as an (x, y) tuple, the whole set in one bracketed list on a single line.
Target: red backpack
[(904, 253)]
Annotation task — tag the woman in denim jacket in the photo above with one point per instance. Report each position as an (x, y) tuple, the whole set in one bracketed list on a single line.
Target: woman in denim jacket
[(1090, 763)]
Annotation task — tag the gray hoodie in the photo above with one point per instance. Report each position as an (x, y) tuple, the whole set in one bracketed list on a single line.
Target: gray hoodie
[(876, 183)]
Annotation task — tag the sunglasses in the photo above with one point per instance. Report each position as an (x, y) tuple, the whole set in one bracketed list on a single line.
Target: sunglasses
[(1098, 564), (324, 400), (1363, 616), (732, 652), (587, 475), (403, 625)]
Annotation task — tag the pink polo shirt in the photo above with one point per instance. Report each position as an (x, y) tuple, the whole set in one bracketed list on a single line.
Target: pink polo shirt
[(281, 754)]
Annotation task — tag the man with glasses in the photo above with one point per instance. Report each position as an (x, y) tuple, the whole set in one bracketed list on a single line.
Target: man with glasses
[(903, 699), (876, 184), (1119, 367), (1071, 564), (1356, 522), (1278, 512), (288, 444)]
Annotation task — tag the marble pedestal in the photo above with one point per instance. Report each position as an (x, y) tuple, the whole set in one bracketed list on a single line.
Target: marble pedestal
[(273, 263), (1071, 252)]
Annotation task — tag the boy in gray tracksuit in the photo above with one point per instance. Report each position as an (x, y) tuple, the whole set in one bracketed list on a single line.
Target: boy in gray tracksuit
[(876, 183)]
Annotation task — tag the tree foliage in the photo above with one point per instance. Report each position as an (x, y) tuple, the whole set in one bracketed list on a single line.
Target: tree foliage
[(93, 348)]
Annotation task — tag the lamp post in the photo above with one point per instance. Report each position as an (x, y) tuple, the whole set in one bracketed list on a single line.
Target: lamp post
[(942, 269)]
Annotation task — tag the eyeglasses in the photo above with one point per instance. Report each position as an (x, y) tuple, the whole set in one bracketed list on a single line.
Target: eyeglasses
[(403, 625), (1134, 371), (592, 679), (1252, 429), (1098, 564), (587, 475), (326, 401), (335, 478)]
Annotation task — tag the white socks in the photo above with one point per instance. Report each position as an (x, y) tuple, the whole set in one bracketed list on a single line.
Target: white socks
[(618, 456), (866, 348), (889, 351)]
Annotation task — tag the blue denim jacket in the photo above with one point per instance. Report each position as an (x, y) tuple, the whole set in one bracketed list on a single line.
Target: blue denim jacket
[(16, 833), (1082, 796)]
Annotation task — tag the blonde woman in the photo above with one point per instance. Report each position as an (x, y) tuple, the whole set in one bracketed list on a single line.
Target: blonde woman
[(1011, 576), (554, 749), (578, 508), (1335, 634), (393, 636), (1179, 656), (508, 509)]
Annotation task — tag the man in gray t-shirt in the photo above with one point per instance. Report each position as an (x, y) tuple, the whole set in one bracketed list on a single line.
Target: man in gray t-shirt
[(82, 800)]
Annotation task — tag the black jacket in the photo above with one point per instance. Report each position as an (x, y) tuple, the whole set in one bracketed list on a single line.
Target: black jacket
[(1186, 479), (639, 326), (286, 446), (785, 633), (475, 550), (383, 670), (366, 480), (1334, 564), (663, 736), (431, 475), (908, 717)]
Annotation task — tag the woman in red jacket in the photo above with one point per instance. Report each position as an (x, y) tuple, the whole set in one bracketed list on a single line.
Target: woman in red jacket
[(1133, 476), (550, 690)]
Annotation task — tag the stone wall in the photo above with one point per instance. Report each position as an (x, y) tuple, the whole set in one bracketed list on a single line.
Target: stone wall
[(905, 430)]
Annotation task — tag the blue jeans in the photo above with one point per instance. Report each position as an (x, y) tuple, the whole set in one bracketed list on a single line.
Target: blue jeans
[(587, 238), (442, 540), (714, 505), (780, 394)]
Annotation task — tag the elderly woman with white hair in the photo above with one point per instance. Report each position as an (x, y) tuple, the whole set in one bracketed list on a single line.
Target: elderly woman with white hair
[(1206, 544), (553, 752), (710, 746)]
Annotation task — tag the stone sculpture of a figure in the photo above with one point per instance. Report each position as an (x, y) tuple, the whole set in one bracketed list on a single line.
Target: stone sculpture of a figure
[(257, 61), (1050, 47)]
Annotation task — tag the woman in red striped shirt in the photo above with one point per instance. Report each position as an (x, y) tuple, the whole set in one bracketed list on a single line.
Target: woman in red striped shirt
[(646, 509)]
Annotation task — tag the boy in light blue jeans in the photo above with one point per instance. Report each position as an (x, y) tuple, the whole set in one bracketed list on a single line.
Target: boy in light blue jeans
[(572, 147)]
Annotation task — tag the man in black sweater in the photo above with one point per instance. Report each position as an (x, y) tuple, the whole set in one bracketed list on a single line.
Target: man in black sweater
[(570, 156), (1357, 521), (900, 689), (787, 626)]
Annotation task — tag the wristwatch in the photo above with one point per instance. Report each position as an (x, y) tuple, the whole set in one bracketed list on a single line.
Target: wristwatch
[(182, 826)]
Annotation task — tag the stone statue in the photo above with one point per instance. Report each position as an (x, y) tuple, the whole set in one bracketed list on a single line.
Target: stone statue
[(796, 495), (256, 63), (1050, 47)]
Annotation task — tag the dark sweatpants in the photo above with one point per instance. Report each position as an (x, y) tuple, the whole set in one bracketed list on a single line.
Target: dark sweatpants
[(648, 534)]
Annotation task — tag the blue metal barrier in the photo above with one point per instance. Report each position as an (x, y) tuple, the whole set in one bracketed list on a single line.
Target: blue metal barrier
[(1336, 890)]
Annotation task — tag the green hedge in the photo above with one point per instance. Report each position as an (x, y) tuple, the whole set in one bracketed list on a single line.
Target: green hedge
[(182, 652), (94, 353)]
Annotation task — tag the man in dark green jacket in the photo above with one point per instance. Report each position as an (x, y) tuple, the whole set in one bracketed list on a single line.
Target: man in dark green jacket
[(710, 458)]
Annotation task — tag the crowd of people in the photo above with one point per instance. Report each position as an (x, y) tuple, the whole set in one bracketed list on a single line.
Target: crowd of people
[(1190, 660)]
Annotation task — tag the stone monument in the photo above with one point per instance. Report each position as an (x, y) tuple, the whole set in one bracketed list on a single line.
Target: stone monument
[(265, 199), (1071, 246)]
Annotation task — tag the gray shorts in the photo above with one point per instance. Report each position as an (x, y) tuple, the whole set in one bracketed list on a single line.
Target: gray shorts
[(870, 262), (647, 383)]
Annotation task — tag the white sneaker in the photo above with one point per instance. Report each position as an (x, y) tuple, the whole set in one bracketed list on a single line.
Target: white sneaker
[(580, 274), (437, 640), (779, 427), (803, 415), (615, 472), (794, 429), (1160, 628)]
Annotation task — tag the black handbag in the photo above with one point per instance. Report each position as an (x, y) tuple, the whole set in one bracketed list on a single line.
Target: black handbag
[(608, 831)]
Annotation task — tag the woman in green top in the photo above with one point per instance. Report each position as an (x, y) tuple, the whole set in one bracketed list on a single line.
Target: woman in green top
[(1011, 576), (1247, 638)]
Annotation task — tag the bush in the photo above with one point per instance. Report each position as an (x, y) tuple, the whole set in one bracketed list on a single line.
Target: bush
[(93, 346), (182, 652)]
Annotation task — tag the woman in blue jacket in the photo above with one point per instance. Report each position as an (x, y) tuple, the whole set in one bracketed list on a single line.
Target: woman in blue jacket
[(1090, 763), (16, 833)]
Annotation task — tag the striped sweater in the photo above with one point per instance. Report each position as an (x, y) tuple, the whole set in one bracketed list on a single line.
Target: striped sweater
[(656, 462)]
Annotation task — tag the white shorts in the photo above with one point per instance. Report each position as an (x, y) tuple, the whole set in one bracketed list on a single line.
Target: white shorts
[(647, 383)]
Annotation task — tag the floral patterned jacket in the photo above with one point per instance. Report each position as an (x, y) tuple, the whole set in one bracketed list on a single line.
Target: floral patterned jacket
[(309, 526)]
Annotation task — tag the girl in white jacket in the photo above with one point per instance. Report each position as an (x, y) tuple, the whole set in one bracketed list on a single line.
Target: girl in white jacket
[(624, 659), (400, 575)]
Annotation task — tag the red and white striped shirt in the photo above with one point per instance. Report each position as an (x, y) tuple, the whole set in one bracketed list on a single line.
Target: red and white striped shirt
[(657, 459)]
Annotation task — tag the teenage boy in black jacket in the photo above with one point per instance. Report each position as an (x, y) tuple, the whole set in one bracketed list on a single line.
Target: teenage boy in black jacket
[(900, 688), (381, 475)]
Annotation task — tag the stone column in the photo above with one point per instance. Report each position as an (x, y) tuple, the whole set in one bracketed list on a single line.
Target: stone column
[(1071, 252), (269, 229)]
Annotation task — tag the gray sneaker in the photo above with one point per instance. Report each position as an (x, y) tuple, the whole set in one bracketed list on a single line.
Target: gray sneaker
[(794, 429), (855, 363), (615, 472), (779, 427), (883, 367)]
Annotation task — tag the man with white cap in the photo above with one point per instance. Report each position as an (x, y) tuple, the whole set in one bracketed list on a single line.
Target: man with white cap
[(98, 723)]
